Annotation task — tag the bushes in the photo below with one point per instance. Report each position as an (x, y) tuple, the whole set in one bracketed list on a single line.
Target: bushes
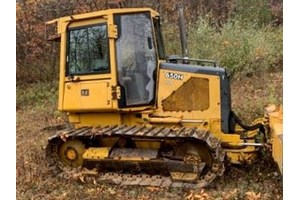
[(256, 13), (247, 41), (243, 49), (38, 94)]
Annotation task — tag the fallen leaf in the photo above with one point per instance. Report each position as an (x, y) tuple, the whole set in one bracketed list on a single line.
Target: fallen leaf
[(230, 194), (90, 190), (252, 195), (94, 182), (202, 195), (81, 178), (144, 197), (190, 196), (153, 189), (111, 191)]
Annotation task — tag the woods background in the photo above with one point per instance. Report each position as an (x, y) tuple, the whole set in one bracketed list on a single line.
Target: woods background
[(245, 36)]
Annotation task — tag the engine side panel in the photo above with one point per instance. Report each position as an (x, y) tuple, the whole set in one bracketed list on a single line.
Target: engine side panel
[(219, 89)]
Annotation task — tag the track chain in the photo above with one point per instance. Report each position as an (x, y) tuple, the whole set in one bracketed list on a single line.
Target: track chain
[(89, 176)]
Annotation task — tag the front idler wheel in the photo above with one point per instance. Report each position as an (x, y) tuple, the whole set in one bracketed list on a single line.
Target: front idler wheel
[(70, 153)]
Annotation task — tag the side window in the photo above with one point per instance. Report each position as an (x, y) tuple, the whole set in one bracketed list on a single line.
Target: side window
[(88, 50)]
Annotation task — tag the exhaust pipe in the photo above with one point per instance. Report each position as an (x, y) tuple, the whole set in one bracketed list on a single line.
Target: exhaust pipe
[(183, 37)]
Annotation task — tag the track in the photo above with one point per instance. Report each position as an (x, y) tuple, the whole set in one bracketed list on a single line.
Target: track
[(89, 133)]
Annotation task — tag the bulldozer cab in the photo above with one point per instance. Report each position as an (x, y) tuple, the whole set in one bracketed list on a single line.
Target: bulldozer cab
[(109, 59)]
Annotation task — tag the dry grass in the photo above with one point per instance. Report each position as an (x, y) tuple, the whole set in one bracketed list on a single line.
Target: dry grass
[(251, 94), (257, 181)]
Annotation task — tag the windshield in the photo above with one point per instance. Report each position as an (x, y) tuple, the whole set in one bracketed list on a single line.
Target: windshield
[(136, 58), (88, 50)]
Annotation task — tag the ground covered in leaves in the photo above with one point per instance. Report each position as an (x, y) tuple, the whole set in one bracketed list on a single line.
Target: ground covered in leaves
[(260, 180)]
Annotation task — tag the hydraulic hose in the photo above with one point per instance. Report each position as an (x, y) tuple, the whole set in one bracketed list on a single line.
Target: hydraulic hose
[(259, 126)]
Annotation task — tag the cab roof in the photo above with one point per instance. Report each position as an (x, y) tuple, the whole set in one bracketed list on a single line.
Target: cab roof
[(104, 13), (55, 27)]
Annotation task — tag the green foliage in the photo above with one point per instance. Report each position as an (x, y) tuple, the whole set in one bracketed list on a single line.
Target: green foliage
[(171, 39), (37, 95), (256, 13), (244, 50), (248, 40)]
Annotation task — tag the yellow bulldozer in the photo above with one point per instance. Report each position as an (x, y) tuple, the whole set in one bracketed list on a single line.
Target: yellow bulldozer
[(141, 118)]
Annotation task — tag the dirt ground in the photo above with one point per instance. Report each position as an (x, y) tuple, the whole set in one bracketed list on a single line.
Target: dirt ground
[(260, 180)]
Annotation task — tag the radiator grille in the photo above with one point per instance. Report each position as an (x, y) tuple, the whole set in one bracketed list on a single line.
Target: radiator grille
[(51, 31)]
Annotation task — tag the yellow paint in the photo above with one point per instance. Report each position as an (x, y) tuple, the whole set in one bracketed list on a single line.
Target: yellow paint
[(276, 130), (241, 156), (62, 71), (232, 138), (98, 98), (74, 24), (166, 120), (95, 119), (71, 154), (131, 158), (96, 153)]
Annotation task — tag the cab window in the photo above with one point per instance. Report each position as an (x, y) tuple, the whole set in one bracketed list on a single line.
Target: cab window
[(88, 50)]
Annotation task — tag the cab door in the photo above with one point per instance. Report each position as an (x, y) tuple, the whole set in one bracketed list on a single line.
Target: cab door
[(87, 84), (136, 59)]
